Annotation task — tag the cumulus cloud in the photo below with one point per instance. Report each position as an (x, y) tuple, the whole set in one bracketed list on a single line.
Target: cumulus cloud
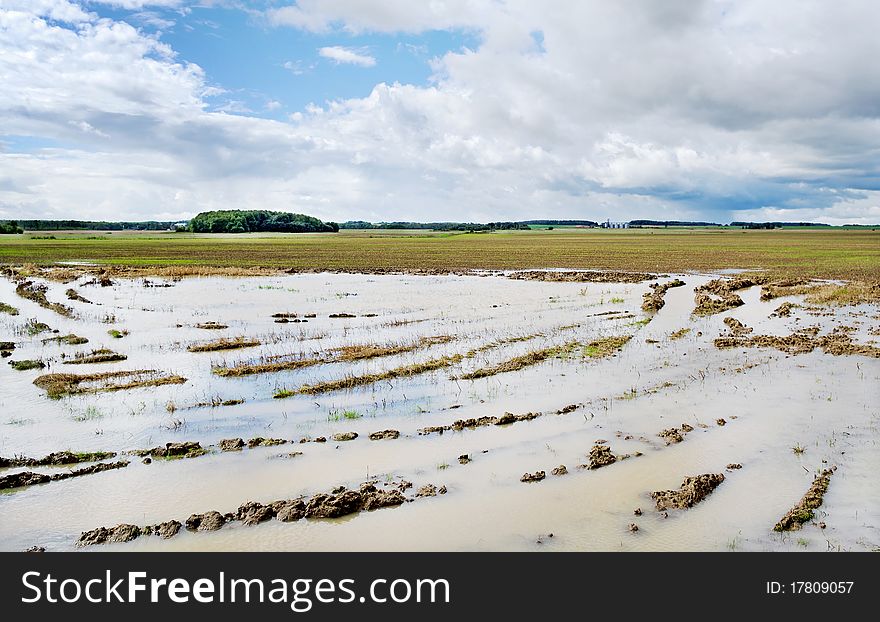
[(347, 56), (709, 109)]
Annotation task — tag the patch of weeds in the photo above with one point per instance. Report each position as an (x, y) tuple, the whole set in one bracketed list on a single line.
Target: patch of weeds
[(27, 364), (616, 300), (352, 414), (33, 327), (5, 308), (442, 466), (799, 449), (18, 421), (90, 414), (117, 334)]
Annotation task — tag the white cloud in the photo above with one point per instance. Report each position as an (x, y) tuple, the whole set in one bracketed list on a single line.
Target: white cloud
[(715, 110), (347, 56)]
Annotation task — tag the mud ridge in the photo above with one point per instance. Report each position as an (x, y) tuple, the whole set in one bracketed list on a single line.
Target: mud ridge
[(692, 491), (653, 300), (812, 499), (30, 478)]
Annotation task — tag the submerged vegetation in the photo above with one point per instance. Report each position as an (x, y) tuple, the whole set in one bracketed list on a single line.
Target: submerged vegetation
[(60, 385), (234, 343)]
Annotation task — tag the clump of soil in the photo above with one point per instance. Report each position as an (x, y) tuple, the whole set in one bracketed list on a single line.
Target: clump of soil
[(837, 343), (537, 476), (234, 343), (71, 340), (737, 328), (37, 293), (5, 308), (59, 385), (209, 521), (231, 444), (211, 326), (72, 294), (679, 334), (692, 491), (653, 300), (253, 513), (259, 441), (341, 315), (803, 511), (103, 535), (27, 364), (464, 459), (58, 458), (600, 456), (470, 424), (718, 295), (582, 276), (165, 530), (784, 310), (186, 449), (672, 435), (29, 478), (567, 409), (344, 436), (384, 434), (560, 470), (102, 355), (734, 466)]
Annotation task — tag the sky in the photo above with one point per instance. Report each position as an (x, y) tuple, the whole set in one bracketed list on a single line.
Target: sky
[(455, 110)]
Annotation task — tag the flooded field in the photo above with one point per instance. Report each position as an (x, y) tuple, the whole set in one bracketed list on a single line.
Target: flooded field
[(431, 399)]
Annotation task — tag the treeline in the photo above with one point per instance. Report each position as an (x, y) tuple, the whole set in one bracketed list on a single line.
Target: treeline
[(248, 221), (562, 223), (671, 223), (94, 225), (775, 225), (435, 226), (9, 226)]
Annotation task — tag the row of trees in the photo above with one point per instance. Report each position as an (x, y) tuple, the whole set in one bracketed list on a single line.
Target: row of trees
[(247, 221), (94, 225), (9, 226), (435, 226)]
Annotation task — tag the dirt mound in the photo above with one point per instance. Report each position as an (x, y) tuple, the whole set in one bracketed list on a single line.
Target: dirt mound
[(537, 476), (479, 422), (718, 295), (567, 409), (29, 478), (186, 449), (165, 530), (259, 441), (803, 511), (671, 435), (783, 310), (582, 276), (57, 458), (692, 491), (209, 521), (600, 456), (653, 300), (253, 513), (737, 328), (341, 437), (231, 444), (837, 343), (289, 510), (121, 533), (560, 470), (384, 434)]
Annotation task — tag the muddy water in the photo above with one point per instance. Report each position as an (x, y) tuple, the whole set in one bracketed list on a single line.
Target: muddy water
[(771, 402)]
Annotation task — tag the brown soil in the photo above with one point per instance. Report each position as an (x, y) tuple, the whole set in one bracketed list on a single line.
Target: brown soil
[(679, 333), (341, 437), (59, 385), (102, 535), (582, 277), (29, 478), (837, 343), (224, 344), (537, 476), (211, 326), (737, 328), (600, 456), (72, 294), (560, 470), (384, 434), (784, 310), (186, 449), (58, 458), (231, 444), (653, 300), (803, 511), (470, 424), (692, 491), (718, 295), (259, 441)]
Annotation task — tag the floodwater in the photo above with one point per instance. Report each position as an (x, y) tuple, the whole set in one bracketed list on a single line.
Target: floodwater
[(772, 402)]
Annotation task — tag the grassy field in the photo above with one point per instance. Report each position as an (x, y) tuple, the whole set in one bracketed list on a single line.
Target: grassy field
[(830, 253)]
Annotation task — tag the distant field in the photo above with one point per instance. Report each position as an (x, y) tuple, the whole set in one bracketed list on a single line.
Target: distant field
[(829, 253)]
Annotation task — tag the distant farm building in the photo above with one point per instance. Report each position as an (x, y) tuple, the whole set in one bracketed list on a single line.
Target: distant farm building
[(614, 225)]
